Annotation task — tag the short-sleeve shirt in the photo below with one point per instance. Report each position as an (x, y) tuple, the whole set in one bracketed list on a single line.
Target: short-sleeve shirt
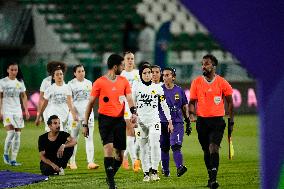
[(176, 99), (57, 100), (210, 95), (51, 147), (80, 95), (131, 76), (11, 90), (111, 95), (46, 82)]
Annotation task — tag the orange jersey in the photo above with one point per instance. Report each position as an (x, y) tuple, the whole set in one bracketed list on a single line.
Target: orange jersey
[(111, 95), (210, 95)]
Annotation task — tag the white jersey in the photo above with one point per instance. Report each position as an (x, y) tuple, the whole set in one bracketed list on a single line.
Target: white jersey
[(147, 99), (81, 94), (57, 100), (11, 90), (46, 82), (131, 76)]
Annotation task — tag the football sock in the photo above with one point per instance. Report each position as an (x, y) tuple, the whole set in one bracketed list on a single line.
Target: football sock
[(16, 145), (8, 141)]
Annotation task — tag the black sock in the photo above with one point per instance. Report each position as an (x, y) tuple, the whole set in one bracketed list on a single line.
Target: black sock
[(108, 162), (116, 165), (214, 161)]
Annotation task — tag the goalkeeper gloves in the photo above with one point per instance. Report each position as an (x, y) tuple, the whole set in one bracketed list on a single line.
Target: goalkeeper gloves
[(230, 126), (188, 126)]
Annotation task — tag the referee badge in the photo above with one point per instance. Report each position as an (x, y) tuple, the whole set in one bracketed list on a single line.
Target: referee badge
[(176, 96), (217, 100)]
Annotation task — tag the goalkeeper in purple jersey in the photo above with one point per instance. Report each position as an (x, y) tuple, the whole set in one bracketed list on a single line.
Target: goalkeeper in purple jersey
[(178, 105)]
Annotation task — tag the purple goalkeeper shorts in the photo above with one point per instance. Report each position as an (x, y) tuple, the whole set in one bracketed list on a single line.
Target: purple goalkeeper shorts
[(168, 139)]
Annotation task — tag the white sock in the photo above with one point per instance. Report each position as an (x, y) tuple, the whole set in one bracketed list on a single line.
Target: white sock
[(75, 134), (131, 148), (154, 140), (8, 141), (16, 146), (90, 145), (144, 149)]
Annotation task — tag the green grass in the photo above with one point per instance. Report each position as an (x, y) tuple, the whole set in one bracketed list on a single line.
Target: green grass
[(241, 172)]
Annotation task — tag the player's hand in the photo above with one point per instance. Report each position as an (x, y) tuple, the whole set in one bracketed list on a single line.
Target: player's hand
[(133, 119), (188, 128), (230, 126), (27, 113), (170, 127), (55, 167), (85, 130), (60, 151)]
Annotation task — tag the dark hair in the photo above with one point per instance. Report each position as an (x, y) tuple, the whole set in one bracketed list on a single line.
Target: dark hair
[(142, 63), (53, 64), (114, 60), (156, 66), (49, 121), (212, 58), (173, 70), (53, 71), (76, 67), (19, 76)]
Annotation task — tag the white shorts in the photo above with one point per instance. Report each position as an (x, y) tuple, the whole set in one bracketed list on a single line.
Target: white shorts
[(150, 128), (79, 123), (16, 121), (127, 113)]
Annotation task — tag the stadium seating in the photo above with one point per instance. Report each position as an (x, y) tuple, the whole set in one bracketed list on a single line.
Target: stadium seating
[(92, 28)]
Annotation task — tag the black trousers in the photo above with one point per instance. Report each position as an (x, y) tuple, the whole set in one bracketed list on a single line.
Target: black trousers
[(60, 162)]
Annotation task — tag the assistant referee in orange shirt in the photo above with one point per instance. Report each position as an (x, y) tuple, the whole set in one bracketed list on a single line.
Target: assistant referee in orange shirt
[(111, 89), (207, 95)]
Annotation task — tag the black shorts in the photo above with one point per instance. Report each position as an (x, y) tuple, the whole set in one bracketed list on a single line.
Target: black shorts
[(210, 130), (113, 130)]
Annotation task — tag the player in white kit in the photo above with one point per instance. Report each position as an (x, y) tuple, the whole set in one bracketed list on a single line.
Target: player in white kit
[(81, 89), (12, 88), (132, 75), (147, 95), (46, 82), (59, 98)]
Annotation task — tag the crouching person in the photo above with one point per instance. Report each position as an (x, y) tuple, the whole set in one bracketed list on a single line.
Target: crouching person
[(55, 148)]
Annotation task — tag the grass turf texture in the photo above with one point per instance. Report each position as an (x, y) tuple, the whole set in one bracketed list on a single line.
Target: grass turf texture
[(241, 172)]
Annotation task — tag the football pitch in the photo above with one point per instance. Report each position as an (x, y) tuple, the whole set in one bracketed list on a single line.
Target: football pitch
[(241, 172)]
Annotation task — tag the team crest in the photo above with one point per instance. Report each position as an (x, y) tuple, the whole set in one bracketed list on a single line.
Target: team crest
[(17, 85), (162, 98), (176, 96), (136, 78), (7, 120), (74, 124), (153, 92)]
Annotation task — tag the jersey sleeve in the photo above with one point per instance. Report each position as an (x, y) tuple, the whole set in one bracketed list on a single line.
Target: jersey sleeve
[(23, 88), (1, 87), (47, 93), (163, 102), (96, 89), (226, 88), (193, 90), (40, 144), (183, 97)]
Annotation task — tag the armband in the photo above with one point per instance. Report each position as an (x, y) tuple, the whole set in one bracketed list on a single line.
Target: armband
[(133, 110)]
